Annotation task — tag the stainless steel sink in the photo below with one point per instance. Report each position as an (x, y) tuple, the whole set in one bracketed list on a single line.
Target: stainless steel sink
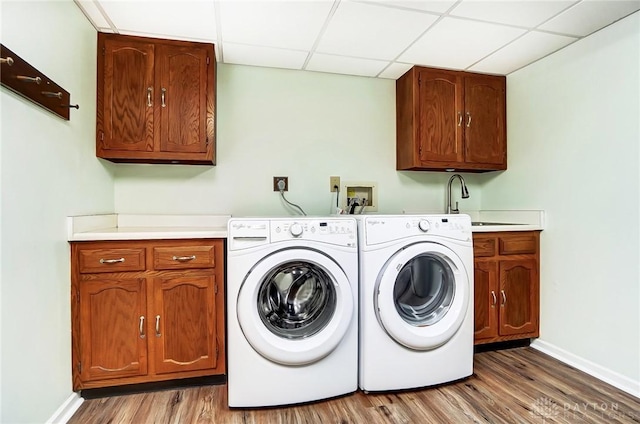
[(483, 223)]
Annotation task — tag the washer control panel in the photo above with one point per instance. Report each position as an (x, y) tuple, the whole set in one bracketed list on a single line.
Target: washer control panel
[(338, 231), (245, 233)]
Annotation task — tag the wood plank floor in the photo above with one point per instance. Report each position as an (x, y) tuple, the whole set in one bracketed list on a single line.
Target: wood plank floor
[(519, 385)]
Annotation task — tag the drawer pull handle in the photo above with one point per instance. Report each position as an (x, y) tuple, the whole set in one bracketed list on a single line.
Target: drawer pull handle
[(493, 294), (184, 258), (111, 261), (8, 60), (35, 80), (149, 92), (504, 297), (469, 121), (459, 119), (164, 93), (158, 326), (142, 326)]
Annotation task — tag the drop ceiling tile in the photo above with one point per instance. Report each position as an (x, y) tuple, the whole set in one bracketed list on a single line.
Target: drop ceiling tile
[(436, 6), (92, 12), (395, 70), (458, 43), (288, 24), (243, 54), (184, 19), (590, 15), (524, 13), (373, 32), (523, 51), (345, 65)]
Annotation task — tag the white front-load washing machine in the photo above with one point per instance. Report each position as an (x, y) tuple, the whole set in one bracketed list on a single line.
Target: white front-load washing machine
[(292, 310), (416, 308)]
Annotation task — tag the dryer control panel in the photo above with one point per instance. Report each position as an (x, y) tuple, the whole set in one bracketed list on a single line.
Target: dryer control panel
[(387, 228)]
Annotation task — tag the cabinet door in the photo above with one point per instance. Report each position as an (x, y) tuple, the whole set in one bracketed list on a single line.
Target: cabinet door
[(519, 296), (184, 322), (440, 116), (112, 329), (486, 299), (485, 120), (182, 72), (125, 115)]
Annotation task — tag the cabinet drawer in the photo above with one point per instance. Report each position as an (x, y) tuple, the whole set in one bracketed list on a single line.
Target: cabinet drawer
[(484, 247), (183, 257), (514, 245), (111, 260)]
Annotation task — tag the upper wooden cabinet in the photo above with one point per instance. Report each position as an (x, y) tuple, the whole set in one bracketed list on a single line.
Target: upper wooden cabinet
[(155, 100), (450, 120)]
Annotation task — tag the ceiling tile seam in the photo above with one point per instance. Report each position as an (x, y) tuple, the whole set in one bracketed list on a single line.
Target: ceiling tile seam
[(325, 25), (106, 17), (497, 50), (86, 15), (262, 46), (405, 9), (395, 59), (537, 27), (219, 47)]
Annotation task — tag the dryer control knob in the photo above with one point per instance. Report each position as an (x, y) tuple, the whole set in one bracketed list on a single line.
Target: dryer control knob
[(296, 230), (424, 226)]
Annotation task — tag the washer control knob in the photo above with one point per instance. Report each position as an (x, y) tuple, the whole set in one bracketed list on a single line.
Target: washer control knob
[(296, 230), (424, 225)]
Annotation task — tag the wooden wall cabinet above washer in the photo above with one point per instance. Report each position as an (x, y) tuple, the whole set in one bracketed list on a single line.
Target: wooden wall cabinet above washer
[(450, 120), (155, 100)]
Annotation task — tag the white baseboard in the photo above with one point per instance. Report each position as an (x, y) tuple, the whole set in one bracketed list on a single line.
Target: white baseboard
[(66, 410), (620, 381)]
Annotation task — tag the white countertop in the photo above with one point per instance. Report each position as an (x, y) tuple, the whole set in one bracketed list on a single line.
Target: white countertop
[(145, 227)]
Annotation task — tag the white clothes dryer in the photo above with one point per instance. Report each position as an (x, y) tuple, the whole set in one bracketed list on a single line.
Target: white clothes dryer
[(292, 310), (416, 300)]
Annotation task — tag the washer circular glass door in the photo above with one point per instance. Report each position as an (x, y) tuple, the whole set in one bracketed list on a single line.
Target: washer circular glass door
[(295, 306), (422, 295)]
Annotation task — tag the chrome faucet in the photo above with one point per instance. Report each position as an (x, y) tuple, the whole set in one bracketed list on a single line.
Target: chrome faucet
[(465, 193)]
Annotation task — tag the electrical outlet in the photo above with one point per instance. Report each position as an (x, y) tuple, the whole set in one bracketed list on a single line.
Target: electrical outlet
[(334, 184), (277, 179)]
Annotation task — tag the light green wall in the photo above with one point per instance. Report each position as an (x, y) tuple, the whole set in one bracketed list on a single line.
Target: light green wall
[(304, 125), (48, 171), (573, 134)]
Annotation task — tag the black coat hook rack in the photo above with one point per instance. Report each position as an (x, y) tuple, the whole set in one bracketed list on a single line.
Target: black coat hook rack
[(23, 79)]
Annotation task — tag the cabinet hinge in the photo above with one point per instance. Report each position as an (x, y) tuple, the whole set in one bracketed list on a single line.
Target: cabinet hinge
[(80, 367), (217, 349), (101, 136), (103, 51), (208, 60), (215, 289), (78, 295)]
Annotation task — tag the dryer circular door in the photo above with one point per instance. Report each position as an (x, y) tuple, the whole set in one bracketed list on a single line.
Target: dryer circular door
[(295, 306), (421, 295)]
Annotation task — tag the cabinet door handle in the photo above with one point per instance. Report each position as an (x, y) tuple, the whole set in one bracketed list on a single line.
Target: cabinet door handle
[(468, 119), (158, 326), (111, 261), (459, 119), (164, 92), (184, 258), (504, 297), (149, 93), (141, 326), (493, 294)]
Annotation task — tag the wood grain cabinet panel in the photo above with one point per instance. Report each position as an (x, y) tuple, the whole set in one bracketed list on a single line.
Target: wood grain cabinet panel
[(450, 120), (163, 321), (507, 285), (155, 100)]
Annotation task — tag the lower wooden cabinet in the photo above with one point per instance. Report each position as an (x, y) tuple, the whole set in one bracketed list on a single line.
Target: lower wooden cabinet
[(507, 286), (146, 311)]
